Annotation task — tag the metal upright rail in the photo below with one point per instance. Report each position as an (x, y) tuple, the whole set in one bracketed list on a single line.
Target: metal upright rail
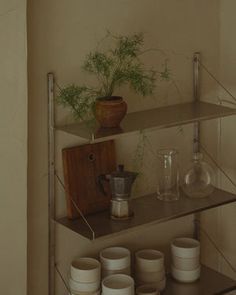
[(51, 185), (196, 93), (52, 176), (196, 135)]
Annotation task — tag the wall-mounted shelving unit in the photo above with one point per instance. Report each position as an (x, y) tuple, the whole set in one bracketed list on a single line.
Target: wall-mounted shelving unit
[(148, 210)]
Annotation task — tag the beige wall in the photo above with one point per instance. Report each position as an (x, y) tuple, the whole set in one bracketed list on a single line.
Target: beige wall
[(13, 147), (60, 34), (227, 218), (222, 221)]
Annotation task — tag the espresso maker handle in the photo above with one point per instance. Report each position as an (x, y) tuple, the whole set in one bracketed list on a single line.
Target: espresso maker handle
[(100, 179)]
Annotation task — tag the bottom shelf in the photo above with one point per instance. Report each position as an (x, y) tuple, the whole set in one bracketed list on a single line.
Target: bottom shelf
[(210, 283)]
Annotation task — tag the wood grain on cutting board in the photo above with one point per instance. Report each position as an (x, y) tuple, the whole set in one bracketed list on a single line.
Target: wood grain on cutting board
[(82, 165)]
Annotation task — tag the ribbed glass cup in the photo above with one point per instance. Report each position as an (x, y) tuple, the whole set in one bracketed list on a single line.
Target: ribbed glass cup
[(168, 175)]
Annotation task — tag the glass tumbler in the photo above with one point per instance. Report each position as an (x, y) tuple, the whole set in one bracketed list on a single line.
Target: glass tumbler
[(168, 178)]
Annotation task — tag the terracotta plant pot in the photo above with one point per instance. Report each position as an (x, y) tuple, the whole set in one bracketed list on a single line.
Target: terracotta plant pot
[(110, 112)]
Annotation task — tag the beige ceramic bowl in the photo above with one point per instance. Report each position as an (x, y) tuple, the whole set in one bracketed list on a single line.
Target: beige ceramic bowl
[(184, 289), (149, 260), (106, 273), (78, 287), (115, 258), (186, 263), (185, 248), (86, 293), (118, 284), (185, 276), (147, 290), (159, 285), (86, 270), (150, 277)]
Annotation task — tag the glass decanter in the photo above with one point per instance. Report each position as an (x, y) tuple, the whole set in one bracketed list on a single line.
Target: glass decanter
[(199, 180)]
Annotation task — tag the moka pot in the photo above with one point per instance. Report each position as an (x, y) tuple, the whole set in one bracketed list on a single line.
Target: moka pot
[(120, 184)]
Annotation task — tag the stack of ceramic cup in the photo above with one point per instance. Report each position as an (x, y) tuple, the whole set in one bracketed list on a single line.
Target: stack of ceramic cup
[(185, 260), (115, 260), (118, 284), (85, 276), (149, 268)]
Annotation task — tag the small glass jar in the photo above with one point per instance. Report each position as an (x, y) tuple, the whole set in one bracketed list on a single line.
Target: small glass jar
[(199, 180), (168, 175)]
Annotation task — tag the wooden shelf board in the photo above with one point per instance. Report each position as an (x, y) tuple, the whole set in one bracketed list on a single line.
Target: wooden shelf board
[(158, 118), (148, 210)]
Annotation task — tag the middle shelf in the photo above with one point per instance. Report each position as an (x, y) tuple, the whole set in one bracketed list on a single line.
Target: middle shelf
[(148, 210)]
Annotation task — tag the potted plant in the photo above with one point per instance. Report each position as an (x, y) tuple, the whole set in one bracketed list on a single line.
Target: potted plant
[(117, 66)]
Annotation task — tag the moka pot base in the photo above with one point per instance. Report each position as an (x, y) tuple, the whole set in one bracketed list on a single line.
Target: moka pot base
[(120, 210)]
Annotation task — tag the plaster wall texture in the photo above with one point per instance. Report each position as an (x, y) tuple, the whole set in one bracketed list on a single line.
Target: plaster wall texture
[(60, 35), (220, 223), (13, 147)]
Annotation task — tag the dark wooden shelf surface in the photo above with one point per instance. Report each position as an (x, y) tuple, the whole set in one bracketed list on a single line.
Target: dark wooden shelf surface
[(158, 118), (148, 210), (210, 283)]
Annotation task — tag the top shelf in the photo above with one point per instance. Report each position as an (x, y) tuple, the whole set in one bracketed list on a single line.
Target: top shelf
[(159, 118)]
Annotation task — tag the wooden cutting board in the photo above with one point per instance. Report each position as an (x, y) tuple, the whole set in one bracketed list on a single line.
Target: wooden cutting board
[(82, 165)]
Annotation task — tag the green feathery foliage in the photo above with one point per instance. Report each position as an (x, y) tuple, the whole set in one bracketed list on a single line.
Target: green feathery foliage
[(113, 68)]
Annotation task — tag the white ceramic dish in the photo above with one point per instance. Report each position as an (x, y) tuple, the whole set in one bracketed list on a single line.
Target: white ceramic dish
[(118, 284), (85, 270), (185, 276), (150, 277), (147, 290), (115, 258), (78, 287), (185, 247), (149, 260), (186, 263), (106, 273)]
